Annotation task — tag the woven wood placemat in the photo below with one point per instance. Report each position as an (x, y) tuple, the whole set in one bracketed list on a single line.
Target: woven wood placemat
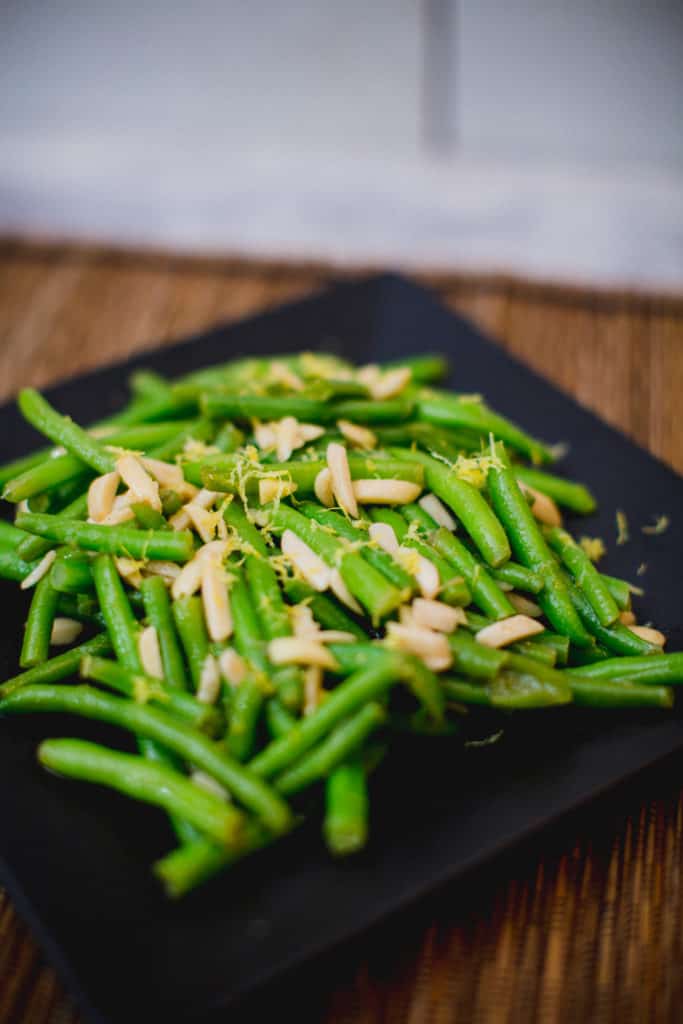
[(583, 924)]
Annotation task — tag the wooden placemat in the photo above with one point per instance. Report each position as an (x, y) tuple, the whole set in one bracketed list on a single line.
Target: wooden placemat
[(583, 924)]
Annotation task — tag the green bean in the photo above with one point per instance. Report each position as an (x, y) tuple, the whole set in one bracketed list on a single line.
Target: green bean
[(467, 504), (59, 667), (153, 410), (164, 545), (473, 659), (189, 866), (346, 808), (36, 645), (158, 725), (12, 567), (413, 513), (518, 577), (620, 590), (147, 517), (617, 637), (263, 407), (11, 470), (71, 573), (278, 719), (510, 690), (390, 517), (189, 621), (453, 590), (142, 687), (325, 610), (36, 547), (570, 495), (229, 438), (343, 741), (118, 615), (447, 443), (561, 680), (390, 410), (586, 576), (11, 536), (148, 384), (485, 591), (195, 430), (602, 693), (363, 686), (145, 781), (353, 657), (424, 368), (247, 699), (231, 474), (159, 614), (537, 651), (668, 669), (62, 430)]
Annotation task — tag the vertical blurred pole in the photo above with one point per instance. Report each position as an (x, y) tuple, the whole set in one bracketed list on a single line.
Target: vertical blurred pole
[(439, 125)]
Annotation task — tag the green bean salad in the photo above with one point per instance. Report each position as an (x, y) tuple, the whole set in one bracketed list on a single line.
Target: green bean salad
[(265, 570)]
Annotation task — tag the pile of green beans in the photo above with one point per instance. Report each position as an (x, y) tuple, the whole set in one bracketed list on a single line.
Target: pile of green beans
[(260, 642)]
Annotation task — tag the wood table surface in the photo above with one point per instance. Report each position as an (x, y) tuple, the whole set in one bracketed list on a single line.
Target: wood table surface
[(583, 924)]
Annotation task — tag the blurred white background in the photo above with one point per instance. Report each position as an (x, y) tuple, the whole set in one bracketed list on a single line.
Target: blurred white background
[(542, 137)]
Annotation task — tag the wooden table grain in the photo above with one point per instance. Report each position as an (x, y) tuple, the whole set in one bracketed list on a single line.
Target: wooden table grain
[(585, 925)]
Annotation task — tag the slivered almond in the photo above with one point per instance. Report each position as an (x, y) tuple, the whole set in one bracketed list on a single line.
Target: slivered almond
[(209, 681), (64, 631), (305, 561), (165, 473), (524, 606), (150, 654), (357, 435), (313, 681), (265, 436), (323, 488), (136, 477), (204, 499), (508, 631), (424, 571), (652, 636), (282, 373), (627, 618), (215, 600), (168, 571), (385, 492), (118, 516), (543, 507), (391, 383), (338, 463), (129, 569), (310, 432), (106, 430), (101, 494), (303, 623), (431, 647), (209, 525), (272, 489), (36, 575), (287, 438), (342, 592), (435, 508), (233, 666), (437, 615), (189, 579), (383, 535), (298, 650), (335, 636), (208, 783)]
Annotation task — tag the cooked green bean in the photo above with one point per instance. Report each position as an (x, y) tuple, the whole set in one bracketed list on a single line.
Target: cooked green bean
[(36, 645), (346, 808), (59, 667), (163, 545), (189, 621), (573, 496), (668, 669), (122, 625), (160, 615), (485, 591), (586, 576)]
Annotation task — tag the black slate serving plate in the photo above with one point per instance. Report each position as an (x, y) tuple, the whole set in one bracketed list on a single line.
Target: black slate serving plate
[(76, 859)]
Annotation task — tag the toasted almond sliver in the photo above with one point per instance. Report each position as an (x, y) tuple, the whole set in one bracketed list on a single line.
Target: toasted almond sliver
[(424, 571), (303, 623), (508, 631), (101, 494), (384, 535), (272, 488), (310, 432), (129, 570), (336, 636), (189, 579), (233, 666), (338, 463), (437, 615), (435, 508), (391, 383), (385, 492), (165, 473), (432, 647), (305, 561), (543, 508), (652, 636), (287, 438), (215, 600), (65, 631), (524, 606), (211, 785), (120, 515), (209, 681), (298, 650), (342, 592), (36, 575), (207, 524), (136, 477), (180, 520), (168, 571), (265, 435), (313, 681), (357, 435), (150, 654), (323, 488), (627, 618), (279, 371)]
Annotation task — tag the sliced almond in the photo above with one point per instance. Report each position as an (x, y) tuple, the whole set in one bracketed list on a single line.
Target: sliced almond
[(385, 492), (627, 618), (323, 488), (305, 561), (210, 525), (233, 666), (168, 571), (435, 508), (313, 682), (165, 473), (189, 579), (508, 631), (310, 432), (272, 488), (303, 623), (384, 536), (431, 647), (215, 600), (652, 636), (150, 653), (136, 477), (119, 515), (129, 570), (265, 435), (180, 520), (437, 615), (64, 631), (524, 606), (342, 592), (424, 571), (336, 636), (338, 463), (287, 438), (101, 494), (209, 681), (359, 436), (391, 383), (543, 508), (36, 575), (298, 650), (211, 785), (283, 374)]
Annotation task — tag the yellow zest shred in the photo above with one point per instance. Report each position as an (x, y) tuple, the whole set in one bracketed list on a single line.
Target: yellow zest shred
[(660, 525), (594, 547), (622, 527)]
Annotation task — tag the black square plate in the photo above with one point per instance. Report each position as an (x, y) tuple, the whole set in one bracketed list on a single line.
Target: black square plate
[(76, 859)]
